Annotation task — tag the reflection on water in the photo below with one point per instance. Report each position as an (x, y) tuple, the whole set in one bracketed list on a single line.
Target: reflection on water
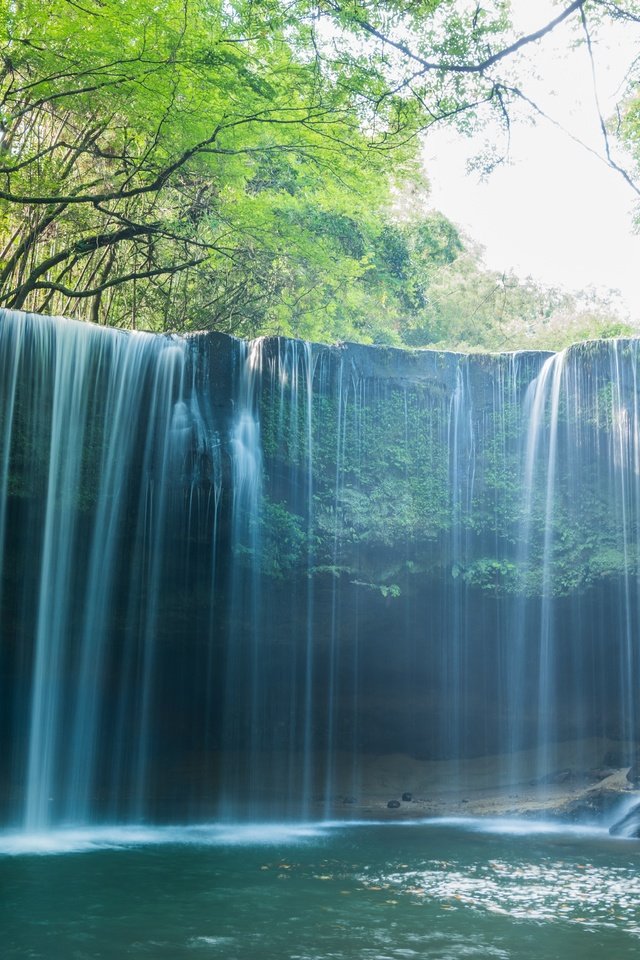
[(440, 889), (549, 891)]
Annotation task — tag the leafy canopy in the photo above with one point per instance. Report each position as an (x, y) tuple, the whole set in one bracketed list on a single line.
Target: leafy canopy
[(237, 165)]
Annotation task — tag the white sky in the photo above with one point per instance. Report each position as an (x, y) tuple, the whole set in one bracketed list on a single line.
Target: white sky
[(556, 213)]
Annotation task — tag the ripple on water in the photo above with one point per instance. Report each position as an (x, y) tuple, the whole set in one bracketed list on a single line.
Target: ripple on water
[(211, 941)]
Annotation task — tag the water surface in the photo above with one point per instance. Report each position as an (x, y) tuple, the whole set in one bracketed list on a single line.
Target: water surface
[(446, 889)]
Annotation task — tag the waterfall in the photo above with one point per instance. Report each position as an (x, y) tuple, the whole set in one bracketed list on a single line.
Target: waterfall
[(100, 426), (233, 576)]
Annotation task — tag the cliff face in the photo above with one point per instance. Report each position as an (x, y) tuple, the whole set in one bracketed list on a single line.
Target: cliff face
[(231, 571)]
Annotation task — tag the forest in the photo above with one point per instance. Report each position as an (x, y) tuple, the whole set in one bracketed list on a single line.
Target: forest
[(255, 167)]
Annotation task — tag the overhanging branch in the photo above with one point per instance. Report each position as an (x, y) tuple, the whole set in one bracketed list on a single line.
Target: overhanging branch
[(116, 281), (603, 126), (468, 68)]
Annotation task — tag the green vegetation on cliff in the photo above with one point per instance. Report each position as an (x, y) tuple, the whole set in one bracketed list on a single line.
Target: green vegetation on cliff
[(439, 472)]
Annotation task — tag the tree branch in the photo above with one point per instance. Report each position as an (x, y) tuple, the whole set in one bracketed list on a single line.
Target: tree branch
[(585, 146), (117, 281), (468, 68), (302, 116), (80, 248), (617, 12), (603, 126)]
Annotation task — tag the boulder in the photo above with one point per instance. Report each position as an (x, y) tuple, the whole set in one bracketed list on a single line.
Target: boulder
[(633, 774), (594, 806)]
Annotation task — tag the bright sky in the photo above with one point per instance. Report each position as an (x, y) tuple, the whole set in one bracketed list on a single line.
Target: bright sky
[(556, 213)]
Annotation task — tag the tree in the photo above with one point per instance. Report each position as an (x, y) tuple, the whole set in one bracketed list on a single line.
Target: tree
[(469, 307), (155, 162), (200, 163)]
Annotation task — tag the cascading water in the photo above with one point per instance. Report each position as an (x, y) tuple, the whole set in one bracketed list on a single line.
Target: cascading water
[(99, 432), (234, 576), (541, 413)]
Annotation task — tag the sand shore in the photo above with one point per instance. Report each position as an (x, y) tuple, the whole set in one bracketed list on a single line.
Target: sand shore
[(572, 782)]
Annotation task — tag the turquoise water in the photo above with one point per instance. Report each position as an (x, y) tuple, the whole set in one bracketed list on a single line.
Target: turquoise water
[(447, 889)]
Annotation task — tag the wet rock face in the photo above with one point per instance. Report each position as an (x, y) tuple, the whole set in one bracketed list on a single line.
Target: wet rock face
[(557, 777), (629, 825), (306, 550)]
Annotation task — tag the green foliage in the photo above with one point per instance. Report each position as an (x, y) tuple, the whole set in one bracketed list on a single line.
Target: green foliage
[(492, 575), (391, 591), (467, 307), (282, 542), (380, 476), (403, 493), (172, 167), (252, 168)]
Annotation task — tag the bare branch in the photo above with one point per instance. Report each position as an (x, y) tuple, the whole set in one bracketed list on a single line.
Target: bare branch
[(617, 12), (603, 126), (78, 6)]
